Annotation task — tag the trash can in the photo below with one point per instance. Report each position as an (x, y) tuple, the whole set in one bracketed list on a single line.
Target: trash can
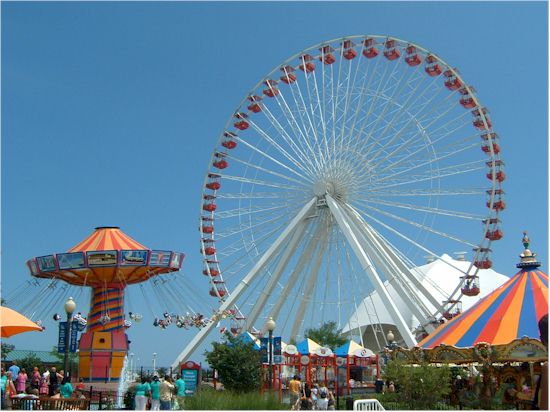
[(349, 403)]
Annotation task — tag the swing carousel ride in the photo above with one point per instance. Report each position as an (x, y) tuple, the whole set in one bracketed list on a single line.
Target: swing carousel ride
[(106, 263), (337, 173)]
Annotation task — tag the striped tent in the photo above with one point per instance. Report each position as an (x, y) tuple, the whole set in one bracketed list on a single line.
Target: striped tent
[(107, 238), (352, 348), (510, 312)]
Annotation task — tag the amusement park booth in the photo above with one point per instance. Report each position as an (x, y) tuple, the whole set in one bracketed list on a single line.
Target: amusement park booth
[(358, 367)]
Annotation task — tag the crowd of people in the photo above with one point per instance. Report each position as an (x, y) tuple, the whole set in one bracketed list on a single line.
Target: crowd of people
[(17, 383), (304, 397), (159, 394)]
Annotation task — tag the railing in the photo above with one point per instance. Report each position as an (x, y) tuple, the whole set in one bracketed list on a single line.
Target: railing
[(49, 404), (367, 405)]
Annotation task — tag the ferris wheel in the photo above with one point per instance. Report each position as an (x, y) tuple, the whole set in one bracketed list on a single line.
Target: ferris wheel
[(340, 170)]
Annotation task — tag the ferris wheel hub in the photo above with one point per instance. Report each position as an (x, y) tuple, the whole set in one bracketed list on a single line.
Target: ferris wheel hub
[(321, 188)]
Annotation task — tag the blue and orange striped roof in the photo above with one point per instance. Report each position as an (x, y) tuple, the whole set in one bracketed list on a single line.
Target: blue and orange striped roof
[(510, 312), (108, 238)]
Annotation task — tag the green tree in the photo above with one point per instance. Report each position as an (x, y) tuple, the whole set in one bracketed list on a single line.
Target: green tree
[(419, 386), (28, 363), (327, 335), (237, 363), (6, 349)]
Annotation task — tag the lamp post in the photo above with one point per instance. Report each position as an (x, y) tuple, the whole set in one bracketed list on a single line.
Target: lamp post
[(154, 362), (70, 306), (270, 326)]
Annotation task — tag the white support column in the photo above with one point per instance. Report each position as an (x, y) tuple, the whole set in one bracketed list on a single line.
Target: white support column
[(290, 249), (304, 258), (244, 283), (306, 297), (367, 265)]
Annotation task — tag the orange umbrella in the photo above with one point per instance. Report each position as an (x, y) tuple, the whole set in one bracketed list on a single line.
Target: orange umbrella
[(12, 323)]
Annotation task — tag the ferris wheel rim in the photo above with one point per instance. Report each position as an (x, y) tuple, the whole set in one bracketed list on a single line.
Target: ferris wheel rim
[(484, 244)]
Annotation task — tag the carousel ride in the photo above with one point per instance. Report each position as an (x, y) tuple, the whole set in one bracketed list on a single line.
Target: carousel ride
[(107, 264), (339, 170)]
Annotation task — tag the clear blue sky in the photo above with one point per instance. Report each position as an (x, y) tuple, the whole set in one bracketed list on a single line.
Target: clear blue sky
[(110, 112)]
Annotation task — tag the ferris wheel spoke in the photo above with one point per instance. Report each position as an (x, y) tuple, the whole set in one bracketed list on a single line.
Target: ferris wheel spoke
[(308, 151), (272, 159), (302, 159), (266, 183), (420, 208), (269, 172), (428, 192), (418, 225), (452, 170)]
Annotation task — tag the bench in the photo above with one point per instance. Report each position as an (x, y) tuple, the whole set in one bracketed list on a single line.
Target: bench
[(367, 405), (47, 403)]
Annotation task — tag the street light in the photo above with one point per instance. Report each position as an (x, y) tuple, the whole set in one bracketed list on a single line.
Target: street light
[(70, 306), (270, 326), (154, 362)]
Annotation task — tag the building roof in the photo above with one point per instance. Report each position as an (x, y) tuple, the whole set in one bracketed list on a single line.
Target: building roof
[(44, 355)]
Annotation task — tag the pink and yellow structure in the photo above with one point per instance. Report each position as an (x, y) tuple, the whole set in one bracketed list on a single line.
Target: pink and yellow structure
[(107, 261)]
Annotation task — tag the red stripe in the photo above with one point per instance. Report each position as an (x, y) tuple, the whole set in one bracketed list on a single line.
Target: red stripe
[(115, 240), (495, 322), (540, 294), (101, 244), (85, 244)]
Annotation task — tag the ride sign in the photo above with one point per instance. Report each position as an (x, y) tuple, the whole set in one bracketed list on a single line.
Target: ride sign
[(61, 339)]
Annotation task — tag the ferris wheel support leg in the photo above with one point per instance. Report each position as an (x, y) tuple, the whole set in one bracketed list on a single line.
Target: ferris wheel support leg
[(379, 252), (367, 265), (306, 296), (304, 259), (243, 284), (290, 249)]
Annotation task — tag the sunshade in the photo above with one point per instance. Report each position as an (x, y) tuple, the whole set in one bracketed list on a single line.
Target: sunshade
[(510, 312), (352, 348), (307, 346), (13, 323)]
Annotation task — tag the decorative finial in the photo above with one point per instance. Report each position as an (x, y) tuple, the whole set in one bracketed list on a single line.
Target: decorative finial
[(528, 258), (525, 240)]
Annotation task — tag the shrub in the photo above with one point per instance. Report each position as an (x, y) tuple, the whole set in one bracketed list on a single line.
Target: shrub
[(209, 399)]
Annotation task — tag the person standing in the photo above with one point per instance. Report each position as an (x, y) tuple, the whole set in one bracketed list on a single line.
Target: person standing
[(21, 381), (166, 390), (155, 394), (54, 380), (14, 369), (3, 383), (294, 387), (35, 378), (180, 392), (44, 383), (142, 394), (10, 390)]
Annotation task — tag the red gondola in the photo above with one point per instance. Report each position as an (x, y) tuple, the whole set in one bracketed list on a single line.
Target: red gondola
[(216, 292), (391, 52), (452, 308), (487, 148), (432, 66), (482, 125), (221, 163), (483, 264), (348, 53), (499, 176), (467, 102), (307, 64), (470, 290), (208, 250), (255, 105), (494, 234), (412, 58), (214, 182), (288, 77), (208, 229), (452, 82), (370, 51), (326, 55), (271, 90)]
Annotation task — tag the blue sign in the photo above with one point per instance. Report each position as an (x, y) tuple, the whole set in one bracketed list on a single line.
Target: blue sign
[(190, 377), (61, 339), (264, 348)]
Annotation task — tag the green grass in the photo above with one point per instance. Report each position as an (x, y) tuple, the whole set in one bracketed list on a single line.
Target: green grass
[(209, 399)]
